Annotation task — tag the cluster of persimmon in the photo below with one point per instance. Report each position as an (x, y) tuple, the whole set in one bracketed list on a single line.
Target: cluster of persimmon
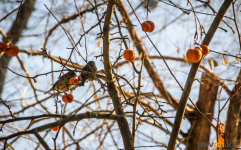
[(56, 128), (194, 55), (75, 81), (129, 55), (68, 98), (148, 26), (12, 50)]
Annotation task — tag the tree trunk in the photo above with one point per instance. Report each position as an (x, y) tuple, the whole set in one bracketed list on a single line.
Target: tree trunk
[(231, 130), (200, 128)]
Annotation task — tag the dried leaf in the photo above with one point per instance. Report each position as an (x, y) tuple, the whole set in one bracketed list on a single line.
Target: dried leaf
[(210, 64), (185, 59), (178, 50), (95, 96), (224, 61), (236, 57), (147, 109), (221, 128), (215, 63), (98, 43)]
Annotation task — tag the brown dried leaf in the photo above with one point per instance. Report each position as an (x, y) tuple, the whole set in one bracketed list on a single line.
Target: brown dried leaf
[(225, 62), (210, 64), (185, 59), (215, 63), (178, 50)]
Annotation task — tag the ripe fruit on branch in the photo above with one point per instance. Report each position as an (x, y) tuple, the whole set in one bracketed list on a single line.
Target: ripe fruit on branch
[(129, 55), (64, 98), (55, 128), (73, 81), (3, 47), (198, 48), (152, 25), (148, 26), (79, 78), (13, 51), (68, 98), (205, 49), (194, 55)]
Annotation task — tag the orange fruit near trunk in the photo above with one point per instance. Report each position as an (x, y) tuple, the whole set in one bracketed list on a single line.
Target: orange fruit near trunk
[(13, 51), (199, 48), (194, 55), (205, 49)]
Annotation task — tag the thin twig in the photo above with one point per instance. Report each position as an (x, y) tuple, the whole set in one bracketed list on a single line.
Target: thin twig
[(9, 108)]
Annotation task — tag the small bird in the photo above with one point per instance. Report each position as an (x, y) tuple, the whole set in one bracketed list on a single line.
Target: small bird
[(151, 3), (62, 85), (88, 74)]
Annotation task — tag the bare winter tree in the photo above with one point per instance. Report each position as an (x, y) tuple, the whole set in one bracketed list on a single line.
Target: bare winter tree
[(141, 90)]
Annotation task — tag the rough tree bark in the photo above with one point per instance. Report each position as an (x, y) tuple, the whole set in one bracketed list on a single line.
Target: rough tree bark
[(233, 117), (200, 129), (239, 133)]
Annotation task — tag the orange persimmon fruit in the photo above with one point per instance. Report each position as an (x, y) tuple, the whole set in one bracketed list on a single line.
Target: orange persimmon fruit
[(70, 98), (194, 55), (152, 26), (79, 78), (56, 128), (64, 98), (3, 47), (205, 49), (73, 81), (129, 55), (146, 27), (199, 48), (13, 51)]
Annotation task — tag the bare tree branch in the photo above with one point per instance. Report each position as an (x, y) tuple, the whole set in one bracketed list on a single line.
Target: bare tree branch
[(112, 89)]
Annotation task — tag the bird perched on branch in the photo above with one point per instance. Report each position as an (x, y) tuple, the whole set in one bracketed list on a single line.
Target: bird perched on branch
[(62, 85), (88, 72), (151, 3)]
